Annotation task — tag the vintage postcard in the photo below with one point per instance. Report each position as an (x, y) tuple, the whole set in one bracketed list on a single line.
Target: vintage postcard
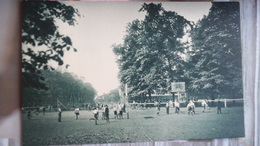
[(127, 72)]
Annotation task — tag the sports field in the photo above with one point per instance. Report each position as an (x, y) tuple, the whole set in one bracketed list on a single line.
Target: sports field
[(142, 125)]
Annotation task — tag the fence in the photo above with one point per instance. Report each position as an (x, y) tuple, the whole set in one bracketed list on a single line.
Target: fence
[(212, 103)]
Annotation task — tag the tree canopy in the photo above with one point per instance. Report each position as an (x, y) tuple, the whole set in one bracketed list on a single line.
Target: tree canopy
[(150, 57), (216, 52), (41, 39), (153, 54), (66, 87), (113, 96)]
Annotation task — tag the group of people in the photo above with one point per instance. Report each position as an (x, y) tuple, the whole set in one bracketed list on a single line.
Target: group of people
[(36, 111), (105, 114), (168, 104), (118, 111), (190, 106), (120, 108), (102, 111)]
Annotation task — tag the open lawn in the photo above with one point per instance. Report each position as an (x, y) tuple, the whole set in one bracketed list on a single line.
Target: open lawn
[(143, 125)]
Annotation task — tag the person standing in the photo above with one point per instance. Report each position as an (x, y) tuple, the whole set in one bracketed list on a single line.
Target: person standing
[(59, 115), (167, 107), (37, 110), (158, 104), (193, 106), (203, 104), (120, 112), (76, 111), (115, 112), (43, 110), (177, 106), (29, 114), (171, 103), (106, 113), (190, 108), (95, 112), (219, 107)]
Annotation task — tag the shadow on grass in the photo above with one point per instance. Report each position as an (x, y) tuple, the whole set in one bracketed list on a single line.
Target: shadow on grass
[(149, 117)]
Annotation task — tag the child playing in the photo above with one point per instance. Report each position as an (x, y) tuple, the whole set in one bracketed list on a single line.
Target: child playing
[(95, 112), (76, 111)]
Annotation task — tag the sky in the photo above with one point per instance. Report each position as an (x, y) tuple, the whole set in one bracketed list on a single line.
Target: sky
[(103, 24)]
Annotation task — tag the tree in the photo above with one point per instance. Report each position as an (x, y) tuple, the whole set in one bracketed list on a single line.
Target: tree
[(150, 57), (69, 88), (66, 87), (41, 39), (112, 96), (216, 54)]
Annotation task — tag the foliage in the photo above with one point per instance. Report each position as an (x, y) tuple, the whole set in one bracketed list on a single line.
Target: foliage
[(150, 57), (66, 87), (216, 52), (41, 39), (113, 96)]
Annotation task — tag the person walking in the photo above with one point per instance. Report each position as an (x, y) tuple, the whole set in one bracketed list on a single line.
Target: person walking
[(205, 105)]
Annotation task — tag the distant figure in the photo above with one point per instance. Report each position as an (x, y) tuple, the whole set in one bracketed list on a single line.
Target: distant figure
[(37, 110), (177, 106), (120, 112), (76, 111), (95, 112), (167, 107), (204, 104), (193, 106), (59, 115), (43, 110), (134, 106), (157, 104), (106, 113), (171, 103), (103, 117), (190, 108), (115, 112), (219, 107), (145, 105), (29, 114), (123, 107)]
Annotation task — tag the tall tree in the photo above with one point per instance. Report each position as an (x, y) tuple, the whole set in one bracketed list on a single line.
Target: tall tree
[(216, 55), (41, 39), (150, 57)]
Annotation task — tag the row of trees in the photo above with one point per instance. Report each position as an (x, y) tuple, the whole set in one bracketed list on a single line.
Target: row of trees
[(42, 43), (153, 54), (113, 96), (66, 87)]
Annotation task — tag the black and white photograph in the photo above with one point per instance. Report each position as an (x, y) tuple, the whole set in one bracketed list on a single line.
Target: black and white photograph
[(101, 72)]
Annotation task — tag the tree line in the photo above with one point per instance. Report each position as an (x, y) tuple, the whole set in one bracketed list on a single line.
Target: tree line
[(65, 87), (42, 43), (165, 47)]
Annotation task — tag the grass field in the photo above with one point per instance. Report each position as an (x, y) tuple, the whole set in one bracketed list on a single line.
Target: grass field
[(143, 125)]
